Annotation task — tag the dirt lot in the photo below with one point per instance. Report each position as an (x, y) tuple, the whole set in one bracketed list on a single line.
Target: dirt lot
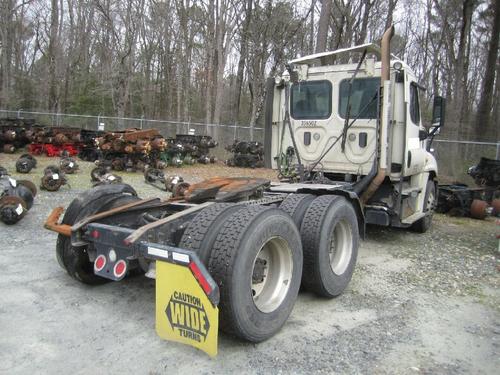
[(417, 304)]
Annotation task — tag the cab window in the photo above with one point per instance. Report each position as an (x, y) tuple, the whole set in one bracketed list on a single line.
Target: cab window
[(363, 100), (414, 104), (311, 100)]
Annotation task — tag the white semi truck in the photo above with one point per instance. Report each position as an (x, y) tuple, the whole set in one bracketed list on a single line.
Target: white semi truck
[(350, 147)]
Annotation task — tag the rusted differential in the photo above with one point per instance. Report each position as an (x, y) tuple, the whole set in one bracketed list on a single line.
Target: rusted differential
[(479, 209)]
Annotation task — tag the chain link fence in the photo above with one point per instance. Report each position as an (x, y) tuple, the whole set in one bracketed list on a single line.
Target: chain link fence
[(224, 134), (454, 157)]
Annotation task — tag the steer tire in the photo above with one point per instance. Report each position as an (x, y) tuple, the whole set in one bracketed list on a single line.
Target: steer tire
[(296, 205), (201, 232), (75, 259), (247, 234), (430, 199), (329, 218)]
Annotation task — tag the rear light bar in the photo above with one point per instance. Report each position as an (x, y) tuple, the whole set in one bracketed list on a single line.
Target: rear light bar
[(114, 255)]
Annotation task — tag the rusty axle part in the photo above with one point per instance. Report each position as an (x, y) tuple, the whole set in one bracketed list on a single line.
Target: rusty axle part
[(52, 222)]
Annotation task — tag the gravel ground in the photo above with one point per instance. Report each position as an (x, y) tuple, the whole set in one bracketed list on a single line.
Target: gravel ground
[(417, 303)]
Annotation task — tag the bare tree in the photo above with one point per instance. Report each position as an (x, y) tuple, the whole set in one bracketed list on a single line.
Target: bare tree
[(484, 110), (323, 25)]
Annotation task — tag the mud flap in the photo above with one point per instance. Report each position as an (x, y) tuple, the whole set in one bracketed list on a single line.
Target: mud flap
[(186, 311)]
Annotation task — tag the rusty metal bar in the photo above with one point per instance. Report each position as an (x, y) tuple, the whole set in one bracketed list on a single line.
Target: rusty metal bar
[(140, 231), (52, 222)]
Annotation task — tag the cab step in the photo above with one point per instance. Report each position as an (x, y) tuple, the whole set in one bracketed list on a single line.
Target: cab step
[(411, 192)]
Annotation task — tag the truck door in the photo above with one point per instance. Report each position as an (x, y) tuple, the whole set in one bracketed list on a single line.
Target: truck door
[(415, 153)]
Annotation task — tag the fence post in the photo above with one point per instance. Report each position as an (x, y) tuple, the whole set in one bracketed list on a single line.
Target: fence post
[(498, 151)]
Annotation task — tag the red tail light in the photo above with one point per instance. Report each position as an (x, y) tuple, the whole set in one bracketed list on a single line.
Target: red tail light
[(120, 268), (99, 263)]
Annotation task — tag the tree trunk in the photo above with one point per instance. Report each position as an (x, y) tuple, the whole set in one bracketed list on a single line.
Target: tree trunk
[(7, 41), (461, 62), (390, 13), (311, 29), (210, 57), (241, 60), (364, 22), (323, 25), (52, 56), (485, 103)]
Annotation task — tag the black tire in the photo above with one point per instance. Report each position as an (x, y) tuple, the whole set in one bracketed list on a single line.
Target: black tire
[(202, 231), (296, 205), (75, 259), (231, 264), (329, 218), (424, 224)]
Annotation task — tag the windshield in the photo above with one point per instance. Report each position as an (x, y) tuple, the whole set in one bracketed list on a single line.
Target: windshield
[(363, 90), (311, 100)]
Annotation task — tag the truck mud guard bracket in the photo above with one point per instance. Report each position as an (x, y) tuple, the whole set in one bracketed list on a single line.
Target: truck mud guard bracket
[(186, 295)]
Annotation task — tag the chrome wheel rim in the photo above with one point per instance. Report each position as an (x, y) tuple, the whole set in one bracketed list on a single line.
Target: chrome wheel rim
[(271, 274), (340, 247)]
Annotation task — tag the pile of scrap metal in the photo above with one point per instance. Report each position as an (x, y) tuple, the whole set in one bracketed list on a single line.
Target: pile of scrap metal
[(55, 141), (479, 202), (15, 133), (189, 149), (131, 149), (135, 149), (88, 149), (246, 154), (16, 198), (172, 184)]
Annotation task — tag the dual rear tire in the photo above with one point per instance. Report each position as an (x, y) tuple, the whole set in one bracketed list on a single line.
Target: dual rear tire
[(330, 239), (254, 254), (259, 258)]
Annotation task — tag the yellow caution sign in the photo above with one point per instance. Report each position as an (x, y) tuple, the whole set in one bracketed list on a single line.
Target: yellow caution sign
[(183, 311)]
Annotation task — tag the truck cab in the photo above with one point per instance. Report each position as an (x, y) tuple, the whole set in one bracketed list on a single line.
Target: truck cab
[(334, 113)]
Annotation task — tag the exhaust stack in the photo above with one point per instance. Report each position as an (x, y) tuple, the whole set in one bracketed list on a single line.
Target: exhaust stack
[(384, 116)]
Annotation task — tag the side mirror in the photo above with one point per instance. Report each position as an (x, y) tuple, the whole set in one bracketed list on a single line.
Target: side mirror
[(423, 135), (438, 112)]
